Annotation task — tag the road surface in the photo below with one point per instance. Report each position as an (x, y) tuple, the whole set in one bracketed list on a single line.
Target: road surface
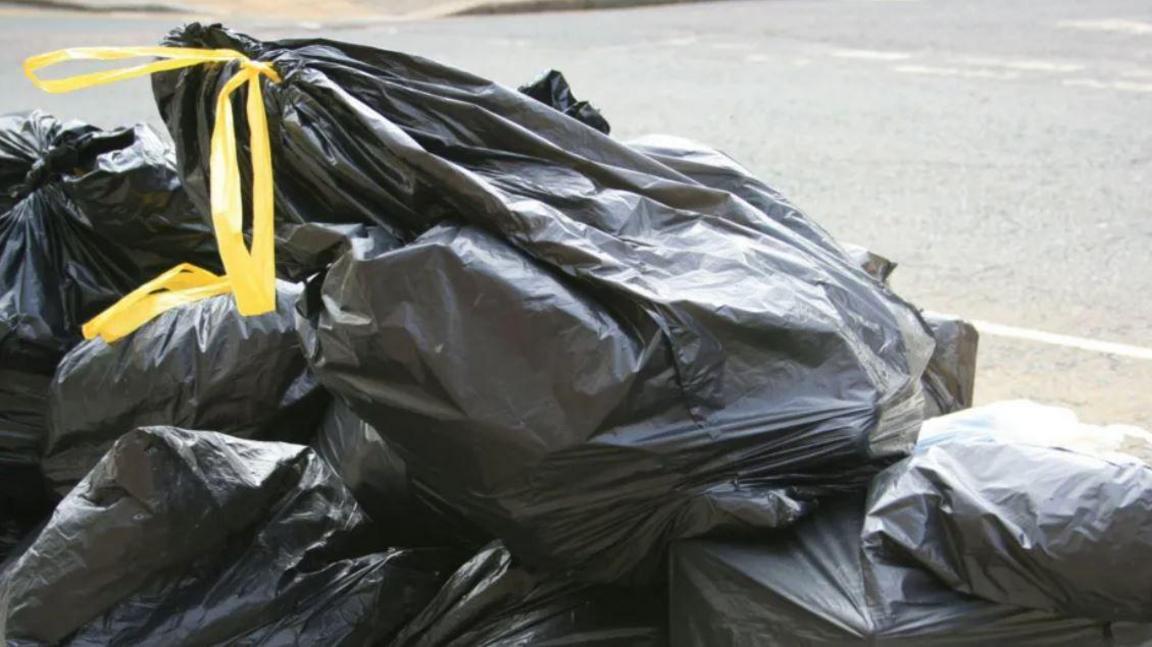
[(1000, 151)]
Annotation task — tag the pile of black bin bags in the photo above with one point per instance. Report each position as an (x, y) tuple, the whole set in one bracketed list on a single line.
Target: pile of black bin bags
[(525, 384), (86, 215)]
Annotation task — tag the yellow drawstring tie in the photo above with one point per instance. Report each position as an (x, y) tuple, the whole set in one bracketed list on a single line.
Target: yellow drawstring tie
[(250, 275)]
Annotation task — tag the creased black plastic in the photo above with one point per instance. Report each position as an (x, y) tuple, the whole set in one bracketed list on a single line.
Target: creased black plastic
[(85, 216), (379, 479), (950, 379), (582, 349), (304, 249), (1017, 522), (815, 586), (198, 538), (198, 366), (492, 601), (716, 170), (552, 89), (374, 473)]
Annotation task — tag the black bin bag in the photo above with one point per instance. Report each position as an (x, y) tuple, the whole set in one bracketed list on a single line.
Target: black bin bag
[(1022, 504), (949, 379), (814, 585), (86, 215), (579, 348), (198, 366), (491, 600), (198, 538)]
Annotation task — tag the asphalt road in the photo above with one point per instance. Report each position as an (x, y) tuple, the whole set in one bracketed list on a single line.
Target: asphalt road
[(999, 150)]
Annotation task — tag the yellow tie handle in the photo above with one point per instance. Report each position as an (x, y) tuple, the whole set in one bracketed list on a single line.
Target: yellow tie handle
[(182, 284), (250, 274)]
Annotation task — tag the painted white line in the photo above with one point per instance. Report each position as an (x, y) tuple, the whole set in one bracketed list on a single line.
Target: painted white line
[(955, 71), (1109, 24), (1126, 86), (871, 55), (1025, 65), (1068, 341), (732, 45)]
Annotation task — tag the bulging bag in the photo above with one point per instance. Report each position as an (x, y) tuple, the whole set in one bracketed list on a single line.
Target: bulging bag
[(199, 366), (564, 314), (1022, 504), (815, 585)]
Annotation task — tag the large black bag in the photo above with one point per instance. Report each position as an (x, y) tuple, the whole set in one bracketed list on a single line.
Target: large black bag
[(1021, 504), (197, 538), (491, 600), (198, 366), (85, 216), (814, 585), (583, 350), (948, 380)]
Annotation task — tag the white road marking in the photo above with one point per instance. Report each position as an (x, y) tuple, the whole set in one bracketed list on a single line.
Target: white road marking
[(732, 45), (871, 55), (1126, 86), (956, 71), (1118, 25), (1024, 65), (674, 40), (1068, 341)]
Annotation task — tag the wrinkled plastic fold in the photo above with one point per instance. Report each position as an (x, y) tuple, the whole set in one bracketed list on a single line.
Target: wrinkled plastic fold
[(1020, 503), (815, 586), (202, 365), (491, 600), (194, 538)]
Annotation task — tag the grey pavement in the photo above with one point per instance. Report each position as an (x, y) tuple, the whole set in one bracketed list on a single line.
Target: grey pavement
[(998, 150)]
